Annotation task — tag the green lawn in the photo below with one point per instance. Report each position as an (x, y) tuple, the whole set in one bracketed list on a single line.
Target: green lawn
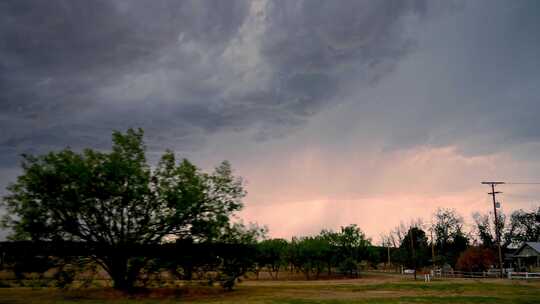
[(366, 290)]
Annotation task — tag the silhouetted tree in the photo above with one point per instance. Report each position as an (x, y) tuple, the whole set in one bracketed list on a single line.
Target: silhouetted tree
[(112, 200), (348, 247), (236, 263), (419, 245), (272, 255), (525, 226), (486, 233), (450, 239), (308, 254)]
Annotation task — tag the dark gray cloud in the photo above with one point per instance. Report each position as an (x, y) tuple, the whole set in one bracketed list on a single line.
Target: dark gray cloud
[(55, 56), (478, 87), (223, 76), (70, 72)]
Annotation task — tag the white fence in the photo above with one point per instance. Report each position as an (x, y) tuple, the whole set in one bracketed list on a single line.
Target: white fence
[(493, 273), (466, 274), (523, 275)]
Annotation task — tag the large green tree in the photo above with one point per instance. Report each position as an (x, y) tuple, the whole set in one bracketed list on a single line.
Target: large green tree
[(114, 200)]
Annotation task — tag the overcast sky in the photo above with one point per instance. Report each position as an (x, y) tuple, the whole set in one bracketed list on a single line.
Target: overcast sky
[(334, 112)]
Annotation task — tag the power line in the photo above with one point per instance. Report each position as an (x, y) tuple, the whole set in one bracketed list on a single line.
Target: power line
[(511, 183), (522, 196)]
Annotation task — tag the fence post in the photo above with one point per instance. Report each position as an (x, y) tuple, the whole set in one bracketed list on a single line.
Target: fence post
[(509, 275), (526, 275)]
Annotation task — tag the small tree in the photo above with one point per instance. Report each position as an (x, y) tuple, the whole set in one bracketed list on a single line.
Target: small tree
[(348, 247), (486, 233), (241, 256), (113, 200), (414, 251), (308, 254), (272, 255)]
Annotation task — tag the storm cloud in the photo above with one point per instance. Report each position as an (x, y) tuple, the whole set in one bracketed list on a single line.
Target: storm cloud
[(73, 71), (276, 84)]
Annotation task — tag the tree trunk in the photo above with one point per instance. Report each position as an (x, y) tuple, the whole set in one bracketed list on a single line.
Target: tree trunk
[(329, 265), (123, 271), (306, 273)]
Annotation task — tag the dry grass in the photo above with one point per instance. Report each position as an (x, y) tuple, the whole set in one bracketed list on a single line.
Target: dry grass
[(368, 289)]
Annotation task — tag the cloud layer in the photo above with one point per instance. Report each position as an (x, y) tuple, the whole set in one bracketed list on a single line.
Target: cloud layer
[(73, 71), (307, 98)]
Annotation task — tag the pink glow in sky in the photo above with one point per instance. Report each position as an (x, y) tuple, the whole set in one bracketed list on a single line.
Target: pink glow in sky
[(310, 191), (334, 112)]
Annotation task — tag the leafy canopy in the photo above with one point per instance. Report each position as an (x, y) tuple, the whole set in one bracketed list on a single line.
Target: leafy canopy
[(116, 198)]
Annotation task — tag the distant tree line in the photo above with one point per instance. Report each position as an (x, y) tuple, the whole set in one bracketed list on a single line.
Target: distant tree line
[(223, 261), (447, 243)]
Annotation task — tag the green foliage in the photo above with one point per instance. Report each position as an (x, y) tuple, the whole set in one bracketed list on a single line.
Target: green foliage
[(349, 266), (343, 250), (238, 233), (272, 254), (113, 199), (234, 264), (376, 255), (309, 255), (525, 226), (350, 241), (414, 251), (348, 247)]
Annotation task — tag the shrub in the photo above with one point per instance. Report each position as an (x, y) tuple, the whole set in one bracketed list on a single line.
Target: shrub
[(475, 259)]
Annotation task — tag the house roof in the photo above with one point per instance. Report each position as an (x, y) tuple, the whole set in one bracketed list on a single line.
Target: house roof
[(534, 245)]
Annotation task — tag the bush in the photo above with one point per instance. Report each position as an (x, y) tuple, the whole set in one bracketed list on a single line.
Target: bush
[(476, 259)]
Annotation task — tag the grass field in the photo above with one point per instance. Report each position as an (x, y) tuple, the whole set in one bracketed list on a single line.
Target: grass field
[(369, 289)]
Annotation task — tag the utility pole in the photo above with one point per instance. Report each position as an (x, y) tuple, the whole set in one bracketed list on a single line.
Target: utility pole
[(497, 232)]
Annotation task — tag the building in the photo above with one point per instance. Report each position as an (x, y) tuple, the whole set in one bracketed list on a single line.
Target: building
[(527, 256)]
